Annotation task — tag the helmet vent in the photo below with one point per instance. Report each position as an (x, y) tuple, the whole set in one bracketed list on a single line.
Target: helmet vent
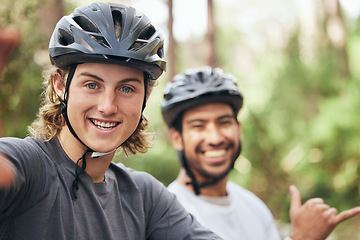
[(117, 18), (65, 38), (201, 77), (101, 40), (147, 33), (86, 24), (143, 38), (168, 96), (160, 52), (137, 45)]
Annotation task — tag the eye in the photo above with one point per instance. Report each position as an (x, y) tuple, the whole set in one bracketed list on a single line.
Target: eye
[(126, 89), (197, 126), (91, 85), (226, 122)]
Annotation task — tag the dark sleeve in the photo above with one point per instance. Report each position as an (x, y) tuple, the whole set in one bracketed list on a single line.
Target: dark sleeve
[(25, 157), (165, 216)]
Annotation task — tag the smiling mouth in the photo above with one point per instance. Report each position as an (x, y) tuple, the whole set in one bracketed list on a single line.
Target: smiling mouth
[(215, 153), (104, 125)]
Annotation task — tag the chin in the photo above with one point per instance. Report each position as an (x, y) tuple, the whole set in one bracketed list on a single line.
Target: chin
[(217, 173), (103, 149)]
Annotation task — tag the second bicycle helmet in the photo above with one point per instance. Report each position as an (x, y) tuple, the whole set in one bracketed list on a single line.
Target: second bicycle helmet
[(199, 86)]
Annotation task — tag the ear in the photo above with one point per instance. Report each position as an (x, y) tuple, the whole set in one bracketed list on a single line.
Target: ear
[(149, 91), (58, 84), (240, 130), (176, 139)]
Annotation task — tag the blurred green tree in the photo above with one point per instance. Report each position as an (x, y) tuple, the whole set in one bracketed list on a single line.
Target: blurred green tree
[(21, 83)]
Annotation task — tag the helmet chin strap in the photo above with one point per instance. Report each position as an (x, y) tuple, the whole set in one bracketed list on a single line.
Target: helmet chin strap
[(80, 169), (99, 154), (196, 184)]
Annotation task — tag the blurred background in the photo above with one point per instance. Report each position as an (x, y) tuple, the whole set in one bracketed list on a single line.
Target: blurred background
[(296, 62)]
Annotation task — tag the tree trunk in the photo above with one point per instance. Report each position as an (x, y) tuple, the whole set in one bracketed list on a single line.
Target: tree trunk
[(336, 32), (50, 13), (314, 36), (171, 61), (310, 35), (210, 36)]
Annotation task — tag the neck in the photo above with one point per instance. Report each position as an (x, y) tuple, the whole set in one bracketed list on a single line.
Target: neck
[(72, 147), (215, 190), (95, 167)]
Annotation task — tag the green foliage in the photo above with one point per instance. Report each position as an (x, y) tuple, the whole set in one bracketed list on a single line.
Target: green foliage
[(301, 126), (21, 82)]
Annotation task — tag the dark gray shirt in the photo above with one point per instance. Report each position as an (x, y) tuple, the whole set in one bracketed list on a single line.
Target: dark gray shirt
[(127, 205)]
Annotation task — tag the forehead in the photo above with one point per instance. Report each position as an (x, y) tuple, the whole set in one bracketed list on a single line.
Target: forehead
[(109, 70), (208, 111)]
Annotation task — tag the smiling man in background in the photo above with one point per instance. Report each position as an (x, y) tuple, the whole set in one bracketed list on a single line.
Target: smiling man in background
[(200, 108)]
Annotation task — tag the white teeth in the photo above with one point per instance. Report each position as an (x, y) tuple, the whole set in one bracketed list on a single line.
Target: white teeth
[(215, 153), (104, 125)]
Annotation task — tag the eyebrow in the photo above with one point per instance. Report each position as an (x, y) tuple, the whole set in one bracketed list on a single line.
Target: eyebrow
[(87, 74), (205, 120), (226, 116)]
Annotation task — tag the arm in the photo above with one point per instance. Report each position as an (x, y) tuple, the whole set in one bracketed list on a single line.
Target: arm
[(7, 172), (315, 220), (178, 223), (166, 218)]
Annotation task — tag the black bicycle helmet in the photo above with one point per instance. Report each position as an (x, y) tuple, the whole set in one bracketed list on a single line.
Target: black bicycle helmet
[(196, 87), (199, 86), (108, 33)]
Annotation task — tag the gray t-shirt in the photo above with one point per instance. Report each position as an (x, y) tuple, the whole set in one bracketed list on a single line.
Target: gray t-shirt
[(127, 205)]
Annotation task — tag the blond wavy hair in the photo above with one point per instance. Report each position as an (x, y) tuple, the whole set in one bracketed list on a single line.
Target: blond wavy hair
[(50, 121)]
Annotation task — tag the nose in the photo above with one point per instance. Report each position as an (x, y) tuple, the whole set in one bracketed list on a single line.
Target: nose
[(107, 104), (214, 135)]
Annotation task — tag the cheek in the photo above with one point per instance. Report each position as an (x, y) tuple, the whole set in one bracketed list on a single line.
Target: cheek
[(192, 140), (131, 108), (232, 132), (79, 104)]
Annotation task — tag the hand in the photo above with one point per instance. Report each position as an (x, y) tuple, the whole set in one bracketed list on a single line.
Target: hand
[(7, 172), (314, 220)]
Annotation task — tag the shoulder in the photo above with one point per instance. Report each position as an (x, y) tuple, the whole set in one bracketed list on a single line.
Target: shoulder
[(155, 196), (19, 148), (237, 190), (178, 189), (248, 198), (34, 173), (144, 181), (14, 143), (30, 156), (136, 175)]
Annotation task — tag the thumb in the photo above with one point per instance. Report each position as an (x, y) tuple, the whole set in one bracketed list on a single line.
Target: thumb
[(295, 199)]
